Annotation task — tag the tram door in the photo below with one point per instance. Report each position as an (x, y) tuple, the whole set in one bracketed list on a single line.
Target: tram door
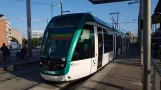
[(100, 47)]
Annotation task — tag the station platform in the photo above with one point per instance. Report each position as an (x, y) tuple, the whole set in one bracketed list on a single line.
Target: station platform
[(123, 73)]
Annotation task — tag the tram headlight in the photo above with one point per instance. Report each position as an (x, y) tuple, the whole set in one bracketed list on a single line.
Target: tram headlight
[(59, 65)]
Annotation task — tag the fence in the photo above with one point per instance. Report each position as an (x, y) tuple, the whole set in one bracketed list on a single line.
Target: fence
[(35, 52), (156, 75)]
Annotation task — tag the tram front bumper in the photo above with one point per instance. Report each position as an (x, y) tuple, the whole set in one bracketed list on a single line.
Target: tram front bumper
[(53, 78)]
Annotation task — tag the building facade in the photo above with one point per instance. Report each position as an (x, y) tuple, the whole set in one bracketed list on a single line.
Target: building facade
[(17, 34), (37, 34), (5, 30), (132, 37)]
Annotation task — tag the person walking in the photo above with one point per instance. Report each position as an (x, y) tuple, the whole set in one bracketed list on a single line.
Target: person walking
[(24, 51), (5, 52)]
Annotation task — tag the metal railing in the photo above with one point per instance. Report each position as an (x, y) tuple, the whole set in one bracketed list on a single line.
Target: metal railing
[(15, 50), (156, 75)]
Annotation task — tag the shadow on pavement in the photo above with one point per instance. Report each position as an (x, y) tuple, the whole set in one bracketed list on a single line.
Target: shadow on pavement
[(129, 57)]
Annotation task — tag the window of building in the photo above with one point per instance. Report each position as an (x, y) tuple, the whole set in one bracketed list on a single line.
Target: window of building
[(85, 46)]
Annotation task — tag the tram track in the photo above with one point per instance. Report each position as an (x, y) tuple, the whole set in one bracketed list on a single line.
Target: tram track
[(48, 85)]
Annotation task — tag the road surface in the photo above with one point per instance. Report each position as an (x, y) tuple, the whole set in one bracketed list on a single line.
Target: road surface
[(28, 78)]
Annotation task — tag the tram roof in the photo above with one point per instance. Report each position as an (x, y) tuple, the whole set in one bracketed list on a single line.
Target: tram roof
[(95, 19)]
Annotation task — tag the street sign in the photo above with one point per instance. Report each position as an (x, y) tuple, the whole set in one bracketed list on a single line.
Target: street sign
[(106, 1)]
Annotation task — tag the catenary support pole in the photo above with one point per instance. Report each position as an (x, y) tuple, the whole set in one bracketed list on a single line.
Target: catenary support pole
[(29, 27), (147, 43)]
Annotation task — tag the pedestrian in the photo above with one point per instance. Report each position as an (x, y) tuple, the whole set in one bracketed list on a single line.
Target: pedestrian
[(11, 48), (24, 51), (5, 52)]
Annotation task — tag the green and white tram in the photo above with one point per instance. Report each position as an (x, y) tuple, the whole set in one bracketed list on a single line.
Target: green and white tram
[(77, 45)]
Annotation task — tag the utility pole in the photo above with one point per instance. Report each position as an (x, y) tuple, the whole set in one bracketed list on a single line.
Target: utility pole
[(113, 21), (61, 7), (147, 43), (28, 9), (141, 31)]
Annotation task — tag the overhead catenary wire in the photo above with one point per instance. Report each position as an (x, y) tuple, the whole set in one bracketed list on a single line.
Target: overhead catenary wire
[(34, 2), (73, 4)]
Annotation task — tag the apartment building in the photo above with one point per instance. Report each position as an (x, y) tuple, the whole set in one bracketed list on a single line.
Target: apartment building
[(17, 34), (5, 30), (37, 34)]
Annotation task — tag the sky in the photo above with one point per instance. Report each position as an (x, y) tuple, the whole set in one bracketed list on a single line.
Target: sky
[(15, 11)]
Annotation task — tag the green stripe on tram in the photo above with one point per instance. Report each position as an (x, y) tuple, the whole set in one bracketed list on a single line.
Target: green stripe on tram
[(74, 42)]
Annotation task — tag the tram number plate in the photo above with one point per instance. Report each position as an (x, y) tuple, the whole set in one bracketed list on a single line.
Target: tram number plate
[(51, 72)]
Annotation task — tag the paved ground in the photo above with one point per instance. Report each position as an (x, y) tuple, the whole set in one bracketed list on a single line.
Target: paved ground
[(124, 73), (28, 78)]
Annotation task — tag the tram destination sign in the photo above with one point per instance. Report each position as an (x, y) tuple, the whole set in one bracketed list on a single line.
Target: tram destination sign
[(106, 1)]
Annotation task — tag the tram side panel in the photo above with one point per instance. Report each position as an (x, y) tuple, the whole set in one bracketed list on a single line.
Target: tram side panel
[(84, 56), (106, 55), (119, 44), (108, 46), (94, 62)]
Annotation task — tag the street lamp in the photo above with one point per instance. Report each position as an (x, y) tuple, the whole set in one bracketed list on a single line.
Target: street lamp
[(135, 20), (129, 22), (65, 11), (133, 2)]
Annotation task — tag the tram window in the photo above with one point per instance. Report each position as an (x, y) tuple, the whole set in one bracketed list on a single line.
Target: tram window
[(119, 37), (121, 42), (117, 41), (56, 41), (108, 41), (85, 46), (124, 41)]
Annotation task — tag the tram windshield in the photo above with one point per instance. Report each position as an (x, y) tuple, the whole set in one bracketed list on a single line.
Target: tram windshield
[(57, 42), (58, 36)]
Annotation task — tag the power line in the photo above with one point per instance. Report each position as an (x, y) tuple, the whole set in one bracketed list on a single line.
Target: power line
[(72, 4), (34, 2)]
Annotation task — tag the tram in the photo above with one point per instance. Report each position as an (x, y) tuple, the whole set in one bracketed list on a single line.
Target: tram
[(77, 45)]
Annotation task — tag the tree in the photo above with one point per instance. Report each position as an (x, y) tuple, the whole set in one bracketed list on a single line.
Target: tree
[(15, 40), (36, 42), (23, 40)]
